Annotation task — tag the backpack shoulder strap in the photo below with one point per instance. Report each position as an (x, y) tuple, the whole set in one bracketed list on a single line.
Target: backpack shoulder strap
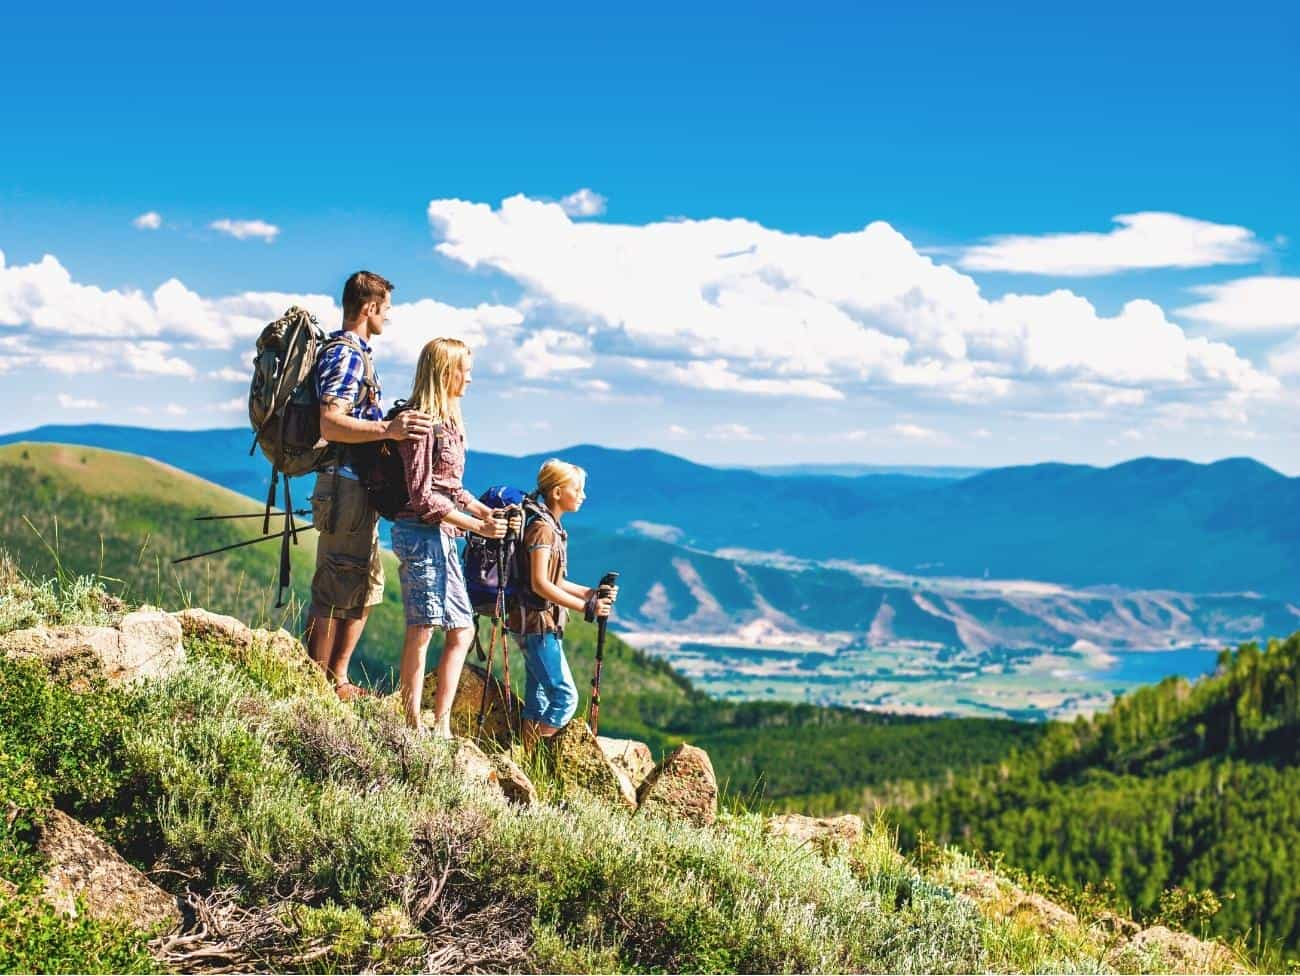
[(368, 384)]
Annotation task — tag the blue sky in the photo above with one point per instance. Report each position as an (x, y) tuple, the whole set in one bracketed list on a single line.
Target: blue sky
[(789, 330)]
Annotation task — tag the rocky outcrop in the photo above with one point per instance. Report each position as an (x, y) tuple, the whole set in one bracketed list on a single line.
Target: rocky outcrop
[(580, 765), (1184, 953), (629, 755), (81, 866), (501, 719), (146, 644), (826, 834), (682, 787), (473, 763)]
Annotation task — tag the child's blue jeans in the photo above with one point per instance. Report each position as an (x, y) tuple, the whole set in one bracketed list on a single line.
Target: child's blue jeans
[(550, 696)]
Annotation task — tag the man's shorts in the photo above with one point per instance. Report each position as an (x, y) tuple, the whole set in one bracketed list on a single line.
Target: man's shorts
[(349, 576)]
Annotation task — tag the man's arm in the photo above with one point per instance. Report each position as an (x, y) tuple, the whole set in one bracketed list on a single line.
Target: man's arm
[(338, 427)]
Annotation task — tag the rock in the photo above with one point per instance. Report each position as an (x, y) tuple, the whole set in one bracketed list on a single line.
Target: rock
[(146, 645), (1003, 899), (514, 782), (1112, 925), (580, 765), (629, 755), (196, 622), (683, 787), (1041, 913), (500, 721), (80, 864), (823, 833), (473, 763), (1185, 952)]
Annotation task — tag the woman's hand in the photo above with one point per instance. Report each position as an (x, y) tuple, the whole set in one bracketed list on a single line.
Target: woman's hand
[(491, 527)]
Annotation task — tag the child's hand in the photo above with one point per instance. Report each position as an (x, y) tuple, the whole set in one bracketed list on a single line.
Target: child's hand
[(604, 606)]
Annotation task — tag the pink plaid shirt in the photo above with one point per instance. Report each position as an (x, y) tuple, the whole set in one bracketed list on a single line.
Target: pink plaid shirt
[(434, 483)]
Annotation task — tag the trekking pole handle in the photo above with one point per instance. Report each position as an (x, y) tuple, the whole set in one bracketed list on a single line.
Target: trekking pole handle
[(607, 583)]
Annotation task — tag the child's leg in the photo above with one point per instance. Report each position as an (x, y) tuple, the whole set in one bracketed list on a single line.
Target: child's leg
[(556, 680)]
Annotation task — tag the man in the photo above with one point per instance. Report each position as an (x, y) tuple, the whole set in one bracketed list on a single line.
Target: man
[(349, 577)]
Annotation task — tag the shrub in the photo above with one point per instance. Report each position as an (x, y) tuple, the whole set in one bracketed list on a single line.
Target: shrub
[(35, 938)]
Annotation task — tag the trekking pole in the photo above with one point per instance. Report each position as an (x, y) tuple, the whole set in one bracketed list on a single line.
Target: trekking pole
[(238, 545), (505, 553), (218, 518), (602, 590)]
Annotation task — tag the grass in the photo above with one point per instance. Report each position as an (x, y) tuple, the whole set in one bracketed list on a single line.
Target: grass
[(328, 836)]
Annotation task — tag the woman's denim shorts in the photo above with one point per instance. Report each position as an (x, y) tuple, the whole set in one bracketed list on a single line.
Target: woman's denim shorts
[(433, 583)]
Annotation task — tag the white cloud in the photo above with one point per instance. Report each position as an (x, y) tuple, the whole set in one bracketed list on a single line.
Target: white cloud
[(152, 359), (915, 432), (730, 305), (233, 405), (1259, 304), (175, 410), (244, 229), (677, 432), (1285, 360), (584, 203), (549, 351), (77, 403), (44, 296), (1142, 240), (228, 374), (731, 432), (148, 221)]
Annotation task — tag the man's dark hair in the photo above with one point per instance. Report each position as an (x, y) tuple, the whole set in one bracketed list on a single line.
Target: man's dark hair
[(363, 287)]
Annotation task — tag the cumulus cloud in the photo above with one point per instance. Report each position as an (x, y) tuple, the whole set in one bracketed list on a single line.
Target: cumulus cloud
[(731, 432), (228, 374), (148, 221), (915, 432), (730, 305), (1259, 304), (77, 403), (44, 297), (584, 203), (243, 230), (1142, 240)]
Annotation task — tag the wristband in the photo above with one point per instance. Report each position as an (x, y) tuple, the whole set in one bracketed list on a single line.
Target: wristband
[(589, 609)]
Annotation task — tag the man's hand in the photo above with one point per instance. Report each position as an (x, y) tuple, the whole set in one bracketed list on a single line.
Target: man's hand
[(409, 425)]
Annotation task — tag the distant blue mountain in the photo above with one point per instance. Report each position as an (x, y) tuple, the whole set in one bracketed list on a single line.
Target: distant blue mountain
[(858, 470), (1151, 523)]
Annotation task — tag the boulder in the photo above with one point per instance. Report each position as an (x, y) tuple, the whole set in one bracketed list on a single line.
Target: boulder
[(823, 833), (682, 787), (502, 717), (82, 865), (514, 782), (629, 755), (146, 644), (580, 765)]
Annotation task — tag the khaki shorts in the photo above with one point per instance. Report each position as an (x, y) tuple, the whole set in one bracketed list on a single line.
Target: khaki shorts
[(349, 576)]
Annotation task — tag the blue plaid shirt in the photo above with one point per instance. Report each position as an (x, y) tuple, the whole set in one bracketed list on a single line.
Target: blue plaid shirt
[(338, 377), (339, 374)]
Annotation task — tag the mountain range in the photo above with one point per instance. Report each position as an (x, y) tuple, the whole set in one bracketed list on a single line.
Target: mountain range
[(1228, 527)]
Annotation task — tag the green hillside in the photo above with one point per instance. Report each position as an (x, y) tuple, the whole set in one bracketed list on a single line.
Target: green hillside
[(77, 510), (1182, 786)]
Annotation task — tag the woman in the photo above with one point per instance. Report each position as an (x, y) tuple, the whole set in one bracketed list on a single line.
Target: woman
[(550, 695), (425, 533)]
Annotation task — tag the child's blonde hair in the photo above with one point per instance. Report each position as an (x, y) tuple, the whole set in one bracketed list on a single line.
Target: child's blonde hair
[(438, 360), (554, 473)]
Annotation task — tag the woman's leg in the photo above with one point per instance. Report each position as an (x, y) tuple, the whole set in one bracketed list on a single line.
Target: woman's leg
[(449, 667), (411, 673)]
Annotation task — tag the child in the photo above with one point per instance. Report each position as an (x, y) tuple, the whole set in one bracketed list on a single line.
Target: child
[(425, 533), (550, 696)]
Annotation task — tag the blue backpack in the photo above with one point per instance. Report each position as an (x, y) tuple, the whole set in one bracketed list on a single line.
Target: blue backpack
[(492, 565)]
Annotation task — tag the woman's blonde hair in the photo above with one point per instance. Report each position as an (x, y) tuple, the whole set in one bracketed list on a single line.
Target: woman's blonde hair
[(439, 359), (554, 473)]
